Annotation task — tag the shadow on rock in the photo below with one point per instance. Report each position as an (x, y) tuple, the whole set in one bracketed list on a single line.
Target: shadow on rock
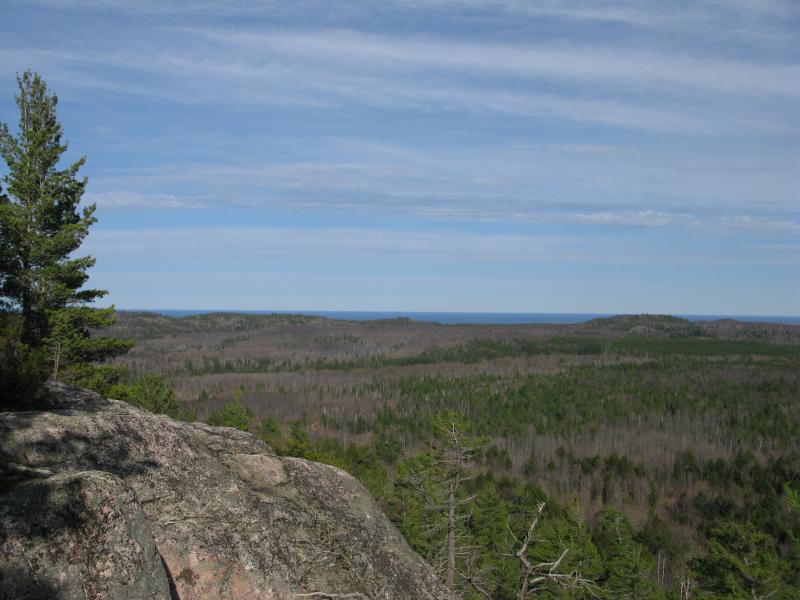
[(44, 444), (18, 583), (84, 530)]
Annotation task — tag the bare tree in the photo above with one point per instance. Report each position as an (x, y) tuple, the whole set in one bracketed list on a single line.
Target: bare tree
[(457, 454), (536, 576), (439, 486), (475, 576), (686, 584)]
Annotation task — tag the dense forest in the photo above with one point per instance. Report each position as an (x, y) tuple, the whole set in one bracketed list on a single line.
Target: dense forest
[(632, 457)]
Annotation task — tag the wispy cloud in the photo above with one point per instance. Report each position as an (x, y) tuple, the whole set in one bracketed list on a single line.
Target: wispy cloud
[(712, 14), (377, 248), (586, 64), (611, 86), (517, 183)]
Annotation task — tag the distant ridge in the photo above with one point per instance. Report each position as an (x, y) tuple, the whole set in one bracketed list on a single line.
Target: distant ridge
[(464, 318)]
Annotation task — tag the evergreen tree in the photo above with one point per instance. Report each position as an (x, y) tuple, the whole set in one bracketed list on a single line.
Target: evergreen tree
[(41, 226), (40, 220), (741, 563), (73, 350), (496, 569), (235, 414), (628, 564), (154, 393), (22, 370)]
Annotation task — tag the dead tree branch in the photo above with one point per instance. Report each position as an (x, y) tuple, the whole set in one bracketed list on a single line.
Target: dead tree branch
[(537, 576)]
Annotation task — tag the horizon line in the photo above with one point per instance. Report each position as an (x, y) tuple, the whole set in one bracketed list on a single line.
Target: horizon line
[(717, 316)]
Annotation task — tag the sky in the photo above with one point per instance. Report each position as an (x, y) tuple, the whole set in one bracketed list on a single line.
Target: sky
[(429, 155)]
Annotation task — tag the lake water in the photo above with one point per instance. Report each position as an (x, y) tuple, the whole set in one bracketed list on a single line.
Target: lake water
[(487, 318)]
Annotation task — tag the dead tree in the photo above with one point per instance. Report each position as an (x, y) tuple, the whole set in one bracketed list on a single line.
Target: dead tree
[(536, 576), (475, 577), (439, 486), (458, 450)]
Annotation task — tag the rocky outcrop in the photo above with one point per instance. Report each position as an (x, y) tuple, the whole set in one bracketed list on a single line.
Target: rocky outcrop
[(110, 501), (78, 535)]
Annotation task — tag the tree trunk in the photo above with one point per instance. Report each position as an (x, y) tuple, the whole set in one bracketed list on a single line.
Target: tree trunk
[(522, 594), (451, 534), (56, 360)]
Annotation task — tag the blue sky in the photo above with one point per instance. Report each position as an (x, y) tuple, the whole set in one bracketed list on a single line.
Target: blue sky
[(451, 155)]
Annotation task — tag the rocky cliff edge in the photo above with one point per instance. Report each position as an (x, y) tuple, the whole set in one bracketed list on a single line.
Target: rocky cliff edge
[(103, 500)]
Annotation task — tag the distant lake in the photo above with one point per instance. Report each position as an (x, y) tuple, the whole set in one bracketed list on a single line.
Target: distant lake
[(454, 318)]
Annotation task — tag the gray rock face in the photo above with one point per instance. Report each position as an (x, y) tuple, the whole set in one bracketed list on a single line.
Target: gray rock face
[(226, 516), (78, 535)]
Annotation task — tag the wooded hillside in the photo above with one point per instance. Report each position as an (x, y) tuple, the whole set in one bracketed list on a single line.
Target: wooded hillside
[(666, 451)]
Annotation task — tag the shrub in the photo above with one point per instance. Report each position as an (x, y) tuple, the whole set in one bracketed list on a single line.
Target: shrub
[(233, 414)]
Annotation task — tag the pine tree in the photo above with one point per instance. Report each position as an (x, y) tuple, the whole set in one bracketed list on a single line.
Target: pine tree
[(41, 226), (629, 565), (742, 562)]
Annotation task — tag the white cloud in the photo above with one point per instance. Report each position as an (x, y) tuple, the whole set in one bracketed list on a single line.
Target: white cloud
[(600, 184), (321, 248), (591, 64), (762, 224)]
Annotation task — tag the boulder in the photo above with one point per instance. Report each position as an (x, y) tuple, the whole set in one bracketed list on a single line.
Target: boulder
[(227, 517)]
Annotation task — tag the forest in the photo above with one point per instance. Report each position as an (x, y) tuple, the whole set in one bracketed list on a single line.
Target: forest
[(632, 457)]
